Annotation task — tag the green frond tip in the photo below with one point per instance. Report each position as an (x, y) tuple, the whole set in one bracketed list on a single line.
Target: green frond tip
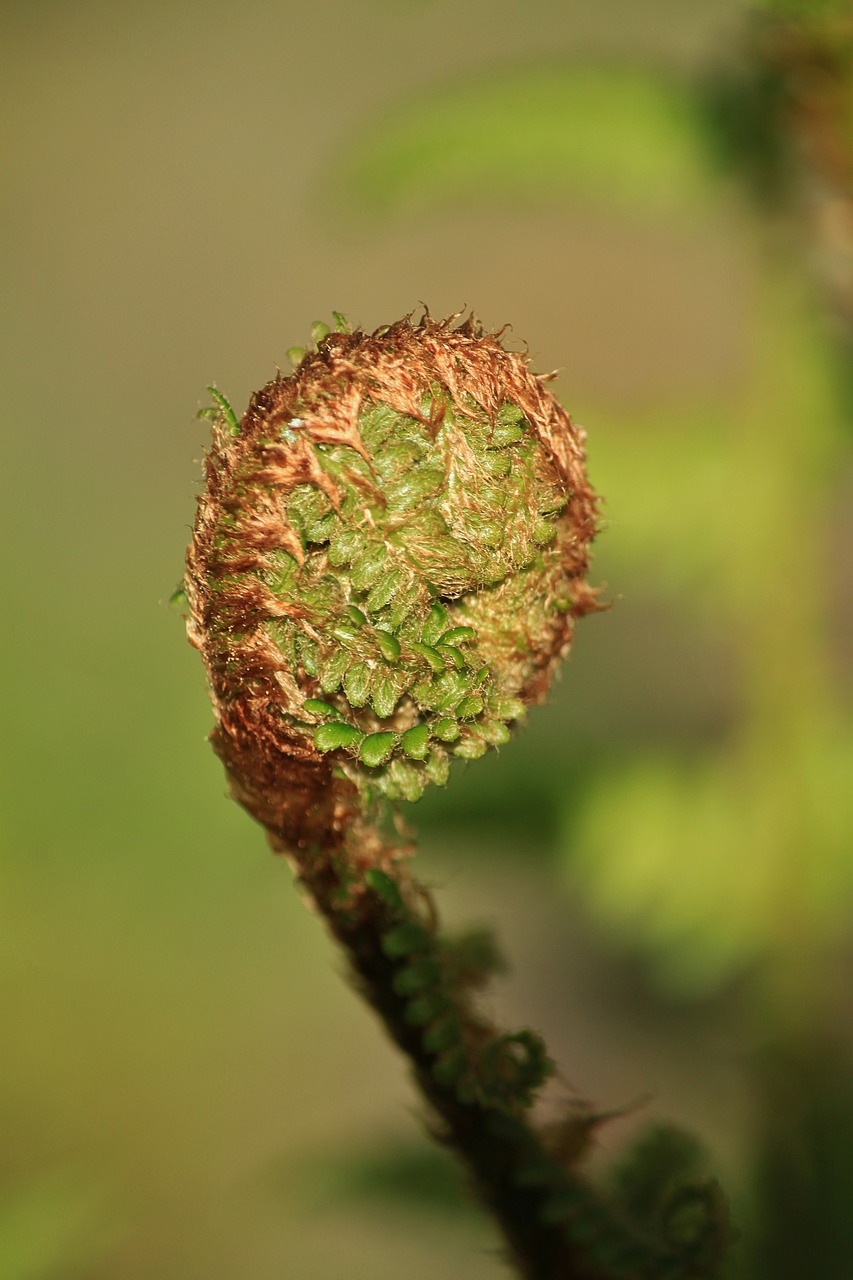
[(221, 409), (429, 654), (435, 623), (515, 1066), (446, 729), (415, 742), (389, 646), (450, 656), (376, 749), (424, 1008), (407, 939), (494, 732), (458, 635), (315, 707), (661, 1159), (335, 736), (357, 682), (510, 709), (417, 978)]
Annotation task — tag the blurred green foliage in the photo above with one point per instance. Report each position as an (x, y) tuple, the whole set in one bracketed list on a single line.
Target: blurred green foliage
[(59, 1226), (615, 135), (743, 852)]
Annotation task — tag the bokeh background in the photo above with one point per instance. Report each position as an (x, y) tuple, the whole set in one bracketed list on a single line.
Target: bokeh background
[(657, 197)]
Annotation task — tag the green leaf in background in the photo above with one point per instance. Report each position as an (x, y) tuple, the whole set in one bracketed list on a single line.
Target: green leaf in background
[(664, 470), (715, 866), (53, 1229), (747, 853), (631, 138)]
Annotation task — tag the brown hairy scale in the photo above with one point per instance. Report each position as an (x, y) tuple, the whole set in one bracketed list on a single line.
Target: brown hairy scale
[(309, 809)]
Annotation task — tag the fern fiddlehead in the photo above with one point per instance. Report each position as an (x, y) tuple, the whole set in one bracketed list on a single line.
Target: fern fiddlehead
[(388, 560)]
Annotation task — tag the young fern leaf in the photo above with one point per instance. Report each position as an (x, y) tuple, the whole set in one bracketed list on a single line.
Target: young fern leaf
[(374, 591), (305, 576)]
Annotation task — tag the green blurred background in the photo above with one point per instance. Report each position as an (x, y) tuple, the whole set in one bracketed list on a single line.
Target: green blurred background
[(187, 1088)]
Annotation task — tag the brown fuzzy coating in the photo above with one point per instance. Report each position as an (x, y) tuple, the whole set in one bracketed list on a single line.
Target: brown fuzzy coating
[(304, 800)]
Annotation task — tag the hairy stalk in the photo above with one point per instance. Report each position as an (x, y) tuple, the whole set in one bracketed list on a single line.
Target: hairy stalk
[(479, 1085), (388, 560), (391, 950)]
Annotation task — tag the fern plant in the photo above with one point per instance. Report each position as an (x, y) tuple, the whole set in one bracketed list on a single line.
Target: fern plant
[(388, 561)]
